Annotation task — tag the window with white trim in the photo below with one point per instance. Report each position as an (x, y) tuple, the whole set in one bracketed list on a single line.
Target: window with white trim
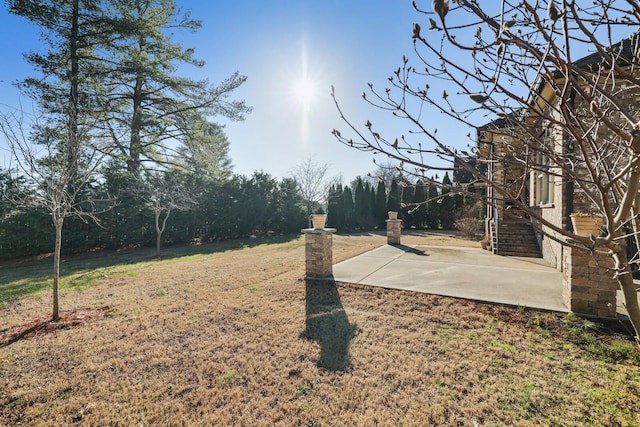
[(542, 178)]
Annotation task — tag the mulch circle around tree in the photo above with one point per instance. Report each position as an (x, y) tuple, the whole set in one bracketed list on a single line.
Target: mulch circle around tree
[(44, 325)]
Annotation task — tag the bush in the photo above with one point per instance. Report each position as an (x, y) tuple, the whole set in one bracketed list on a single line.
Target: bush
[(469, 228), (469, 223)]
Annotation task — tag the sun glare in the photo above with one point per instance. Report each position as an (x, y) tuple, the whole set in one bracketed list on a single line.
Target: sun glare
[(301, 84), (304, 91)]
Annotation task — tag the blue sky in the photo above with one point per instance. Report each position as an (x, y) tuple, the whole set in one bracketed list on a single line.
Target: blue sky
[(281, 45), (276, 44)]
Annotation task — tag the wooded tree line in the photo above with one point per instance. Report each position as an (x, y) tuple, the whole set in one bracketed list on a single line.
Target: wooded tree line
[(234, 207), (238, 206), (423, 205)]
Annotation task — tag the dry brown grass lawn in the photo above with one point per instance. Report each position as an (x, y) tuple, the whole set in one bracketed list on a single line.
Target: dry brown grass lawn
[(239, 338)]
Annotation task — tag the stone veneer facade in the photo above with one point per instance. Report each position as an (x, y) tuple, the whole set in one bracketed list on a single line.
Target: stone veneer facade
[(319, 252), (588, 286), (394, 231)]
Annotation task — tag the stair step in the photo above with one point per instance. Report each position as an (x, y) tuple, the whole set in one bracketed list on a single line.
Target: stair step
[(515, 237)]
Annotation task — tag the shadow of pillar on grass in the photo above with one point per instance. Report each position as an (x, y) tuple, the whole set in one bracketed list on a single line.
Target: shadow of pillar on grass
[(328, 323), (411, 249)]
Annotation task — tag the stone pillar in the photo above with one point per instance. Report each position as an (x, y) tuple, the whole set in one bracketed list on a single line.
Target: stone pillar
[(394, 228), (588, 286), (319, 252)]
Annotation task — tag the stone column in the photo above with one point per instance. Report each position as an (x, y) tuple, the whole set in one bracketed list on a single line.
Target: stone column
[(588, 286), (394, 228), (319, 252)]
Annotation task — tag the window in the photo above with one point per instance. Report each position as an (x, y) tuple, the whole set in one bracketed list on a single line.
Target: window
[(542, 178)]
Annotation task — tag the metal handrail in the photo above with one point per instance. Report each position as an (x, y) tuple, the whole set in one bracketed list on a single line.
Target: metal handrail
[(496, 221)]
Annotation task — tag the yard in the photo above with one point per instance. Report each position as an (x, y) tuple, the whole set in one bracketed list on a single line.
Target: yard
[(231, 334)]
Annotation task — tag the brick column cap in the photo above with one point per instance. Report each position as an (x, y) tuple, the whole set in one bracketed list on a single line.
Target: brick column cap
[(393, 220), (318, 230)]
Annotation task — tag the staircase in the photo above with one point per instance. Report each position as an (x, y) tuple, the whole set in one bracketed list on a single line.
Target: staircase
[(515, 238)]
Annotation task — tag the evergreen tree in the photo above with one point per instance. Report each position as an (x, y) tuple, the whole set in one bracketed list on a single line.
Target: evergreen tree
[(257, 203), (432, 214), (380, 209), (349, 208), (207, 153), (24, 230), (471, 199), (447, 207), (419, 208), (151, 108), (332, 207), (128, 223), (407, 200), (361, 201), (221, 204), (290, 213), (393, 199), (338, 201), (371, 219)]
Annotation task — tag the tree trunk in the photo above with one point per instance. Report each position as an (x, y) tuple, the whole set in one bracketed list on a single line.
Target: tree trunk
[(135, 143), (158, 233), (629, 291), (160, 227), (56, 267)]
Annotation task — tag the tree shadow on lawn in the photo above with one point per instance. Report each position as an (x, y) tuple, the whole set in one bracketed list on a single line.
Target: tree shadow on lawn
[(44, 324), (327, 323), (33, 275)]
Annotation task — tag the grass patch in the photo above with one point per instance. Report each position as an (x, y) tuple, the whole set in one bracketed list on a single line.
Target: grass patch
[(507, 348), (229, 377), (161, 292), (304, 389), (238, 337), (33, 277)]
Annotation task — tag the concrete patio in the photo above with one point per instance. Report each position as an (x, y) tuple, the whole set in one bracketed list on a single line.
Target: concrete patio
[(467, 273)]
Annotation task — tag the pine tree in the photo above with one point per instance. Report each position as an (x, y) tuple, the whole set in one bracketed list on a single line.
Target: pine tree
[(447, 207), (349, 208), (152, 105), (332, 207), (290, 215), (393, 199), (371, 220), (419, 207), (432, 215), (380, 209), (338, 202), (361, 201), (407, 200)]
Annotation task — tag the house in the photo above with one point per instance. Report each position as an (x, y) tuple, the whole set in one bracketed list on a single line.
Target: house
[(509, 229), (539, 172)]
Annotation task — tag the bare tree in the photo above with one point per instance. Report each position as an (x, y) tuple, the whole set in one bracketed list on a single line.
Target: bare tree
[(385, 172), (562, 92), (163, 192), (61, 150), (59, 173), (313, 183)]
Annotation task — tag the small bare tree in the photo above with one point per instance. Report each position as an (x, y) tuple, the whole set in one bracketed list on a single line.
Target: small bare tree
[(163, 192), (563, 91), (59, 167), (61, 150), (313, 183)]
